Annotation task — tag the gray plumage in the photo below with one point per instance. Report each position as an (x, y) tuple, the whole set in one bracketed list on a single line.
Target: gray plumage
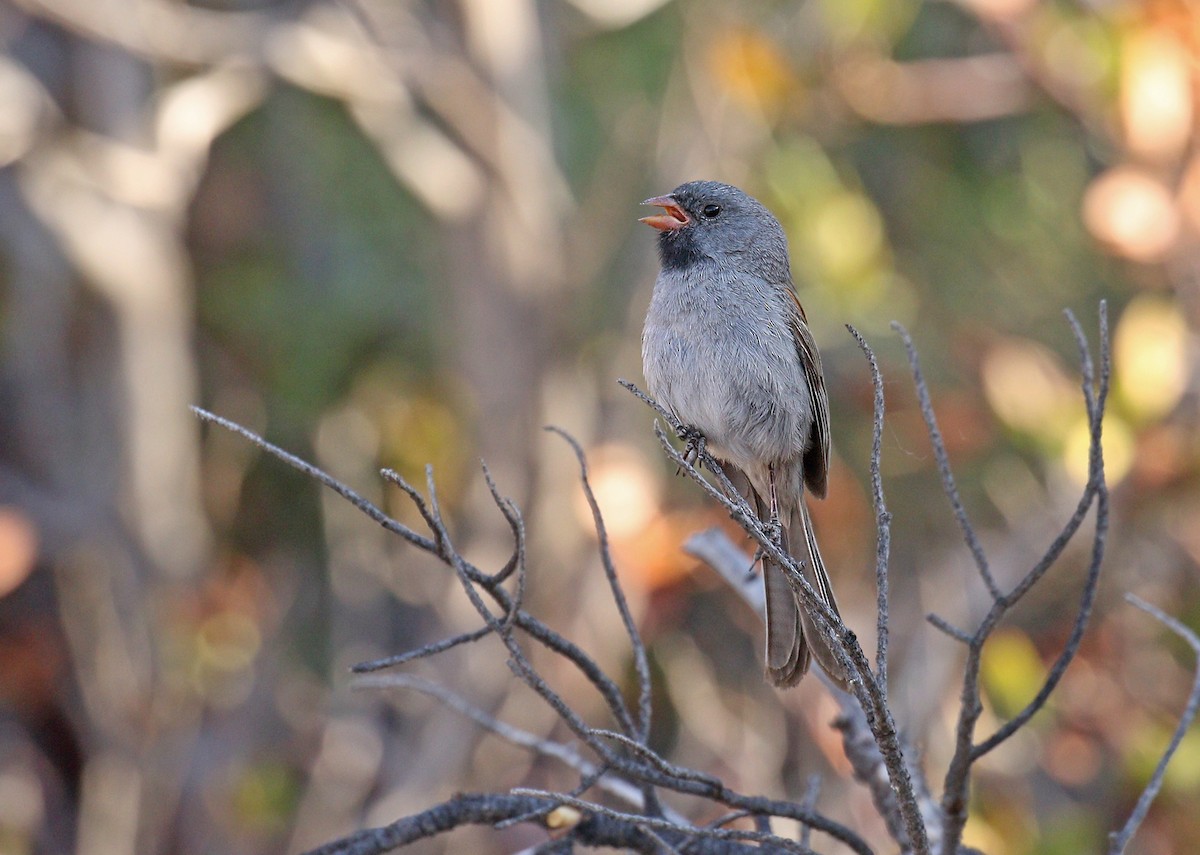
[(727, 348)]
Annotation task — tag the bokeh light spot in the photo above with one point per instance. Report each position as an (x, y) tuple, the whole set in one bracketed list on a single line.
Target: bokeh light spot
[(1156, 95), (1132, 213), (228, 641), (751, 68), (1071, 758), (625, 489), (1028, 389), (1012, 671), (1150, 357), (847, 234), (18, 548)]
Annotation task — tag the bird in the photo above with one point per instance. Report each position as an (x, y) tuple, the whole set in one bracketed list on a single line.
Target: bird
[(727, 349)]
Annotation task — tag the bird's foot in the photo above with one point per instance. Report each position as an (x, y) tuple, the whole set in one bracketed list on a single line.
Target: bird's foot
[(774, 530), (694, 444)]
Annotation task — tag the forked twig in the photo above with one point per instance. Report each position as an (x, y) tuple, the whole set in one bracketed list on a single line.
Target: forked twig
[(966, 750)]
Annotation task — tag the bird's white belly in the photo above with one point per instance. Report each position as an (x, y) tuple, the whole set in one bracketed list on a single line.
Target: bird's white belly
[(749, 414)]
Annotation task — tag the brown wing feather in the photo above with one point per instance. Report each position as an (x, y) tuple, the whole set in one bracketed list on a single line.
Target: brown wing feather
[(816, 456)]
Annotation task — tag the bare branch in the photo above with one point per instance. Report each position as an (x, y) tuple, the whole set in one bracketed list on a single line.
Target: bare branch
[(627, 768), (367, 507), (418, 501), (715, 547), (641, 663), (966, 752), (1095, 392), (883, 518), (812, 792), (592, 829), (523, 620), (667, 826), (526, 622), (870, 769), (948, 628), (840, 638), (727, 818), (656, 760), (421, 652), (565, 754), (949, 486), (1118, 840), (516, 524)]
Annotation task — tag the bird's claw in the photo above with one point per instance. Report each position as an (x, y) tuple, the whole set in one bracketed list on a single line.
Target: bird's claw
[(693, 445), (774, 531)]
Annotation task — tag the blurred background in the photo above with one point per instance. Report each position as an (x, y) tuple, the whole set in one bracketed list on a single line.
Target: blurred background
[(390, 233)]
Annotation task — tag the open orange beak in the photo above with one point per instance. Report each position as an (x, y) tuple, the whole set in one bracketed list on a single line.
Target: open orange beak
[(673, 219)]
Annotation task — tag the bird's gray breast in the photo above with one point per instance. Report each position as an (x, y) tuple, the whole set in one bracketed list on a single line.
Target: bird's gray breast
[(718, 350)]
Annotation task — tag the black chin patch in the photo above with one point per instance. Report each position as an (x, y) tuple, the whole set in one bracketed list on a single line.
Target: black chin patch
[(677, 249)]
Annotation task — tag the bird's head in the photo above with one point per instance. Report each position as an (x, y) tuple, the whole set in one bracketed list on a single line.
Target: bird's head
[(706, 221)]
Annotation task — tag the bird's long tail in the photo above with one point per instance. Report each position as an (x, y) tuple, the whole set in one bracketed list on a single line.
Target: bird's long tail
[(792, 636)]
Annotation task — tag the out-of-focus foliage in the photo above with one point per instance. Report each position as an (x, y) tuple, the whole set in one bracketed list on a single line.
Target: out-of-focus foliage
[(392, 234)]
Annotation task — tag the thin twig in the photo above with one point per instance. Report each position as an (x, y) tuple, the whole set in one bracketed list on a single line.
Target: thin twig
[(966, 752), (517, 562), (414, 496), (869, 764), (586, 782), (1118, 840), (364, 505), (949, 486), (421, 652), (565, 754), (948, 628), (522, 619), (656, 760), (726, 818), (665, 825), (640, 661), (840, 638), (469, 577), (883, 518), (1095, 392), (515, 523)]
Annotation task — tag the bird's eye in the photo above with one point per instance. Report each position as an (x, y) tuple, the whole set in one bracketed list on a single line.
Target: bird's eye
[(711, 211)]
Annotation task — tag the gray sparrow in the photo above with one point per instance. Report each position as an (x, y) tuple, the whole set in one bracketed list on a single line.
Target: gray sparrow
[(726, 347)]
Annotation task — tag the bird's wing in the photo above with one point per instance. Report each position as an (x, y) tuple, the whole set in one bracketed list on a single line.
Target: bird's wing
[(816, 457)]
